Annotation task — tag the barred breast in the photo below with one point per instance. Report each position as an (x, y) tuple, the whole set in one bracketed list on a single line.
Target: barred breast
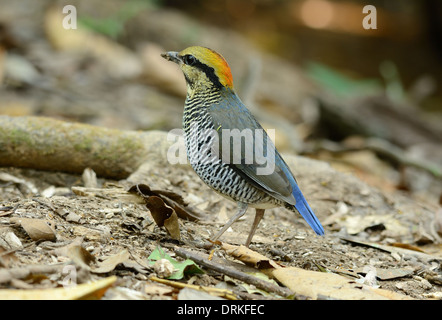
[(200, 136)]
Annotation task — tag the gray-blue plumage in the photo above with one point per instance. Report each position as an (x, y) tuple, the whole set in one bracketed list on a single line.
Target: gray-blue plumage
[(247, 169), (238, 181)]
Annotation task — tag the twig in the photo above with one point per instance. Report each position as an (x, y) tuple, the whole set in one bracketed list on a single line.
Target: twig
[(231, 272), (215, 291)]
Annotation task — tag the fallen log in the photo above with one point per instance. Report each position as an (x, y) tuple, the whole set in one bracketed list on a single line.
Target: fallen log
[(54, 145)]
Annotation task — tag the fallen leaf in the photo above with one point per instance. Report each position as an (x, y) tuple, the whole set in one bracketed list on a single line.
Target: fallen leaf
[(124, 293), (75, 251), (87, 291), (317, 285), (172, 199), (155, 289), (193, 294), (109, 263), (37, 229), (181, 267), (357, 224), (312, 284), (249, 257), (390, 273), (164, 216)]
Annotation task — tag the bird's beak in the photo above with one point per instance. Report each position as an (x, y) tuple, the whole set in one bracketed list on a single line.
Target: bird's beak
[(172, 56)]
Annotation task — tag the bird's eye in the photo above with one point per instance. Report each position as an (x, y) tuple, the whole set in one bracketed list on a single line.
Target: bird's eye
[(189, 59)]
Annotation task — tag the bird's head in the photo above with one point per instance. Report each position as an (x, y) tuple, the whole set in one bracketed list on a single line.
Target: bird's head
[(202, 67)]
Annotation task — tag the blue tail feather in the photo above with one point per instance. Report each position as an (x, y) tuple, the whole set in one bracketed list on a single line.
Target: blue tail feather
[(306, 212)]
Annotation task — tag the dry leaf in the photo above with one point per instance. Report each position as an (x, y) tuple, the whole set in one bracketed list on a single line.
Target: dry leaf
[(155, 289), (159, 210), (172, 226), (328, 285), (74, 251), (193, 294), (357, 224), (86, 291), (249, 257), (37, 229), (164, 216), (308, 283), (172, 199), (80, 255), (109, 263), (388, 274)]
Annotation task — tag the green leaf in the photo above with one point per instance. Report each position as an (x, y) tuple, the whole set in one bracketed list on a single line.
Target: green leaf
[(341, 84), (253, 289), (113, 26), (182, 267)]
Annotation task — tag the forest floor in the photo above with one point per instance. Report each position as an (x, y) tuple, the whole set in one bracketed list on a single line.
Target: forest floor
[(379, 234)]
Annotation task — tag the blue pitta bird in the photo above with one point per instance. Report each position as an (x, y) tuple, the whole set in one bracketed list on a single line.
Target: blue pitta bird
[(228, 148)]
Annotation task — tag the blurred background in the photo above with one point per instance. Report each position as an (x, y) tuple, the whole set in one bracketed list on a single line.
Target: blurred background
[(368, 101)]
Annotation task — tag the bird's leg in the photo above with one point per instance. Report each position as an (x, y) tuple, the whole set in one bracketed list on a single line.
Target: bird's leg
[(242, 208), (258, 216)]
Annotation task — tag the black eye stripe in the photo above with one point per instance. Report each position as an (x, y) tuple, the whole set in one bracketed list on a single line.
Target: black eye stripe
[(190, 60)]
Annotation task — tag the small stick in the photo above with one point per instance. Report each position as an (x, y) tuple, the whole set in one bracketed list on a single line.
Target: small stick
[(231, 272), (228, 294)]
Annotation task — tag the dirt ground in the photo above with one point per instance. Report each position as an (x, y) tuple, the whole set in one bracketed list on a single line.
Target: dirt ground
[(381, 232), (105, 225)]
